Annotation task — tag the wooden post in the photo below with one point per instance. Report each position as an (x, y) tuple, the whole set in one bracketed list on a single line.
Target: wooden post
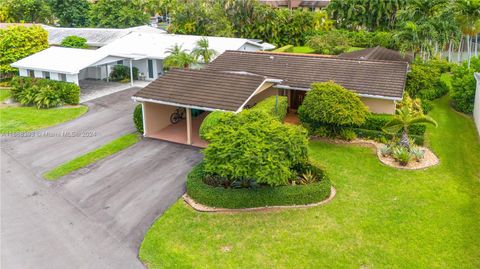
[(189, 126), (131, 73)]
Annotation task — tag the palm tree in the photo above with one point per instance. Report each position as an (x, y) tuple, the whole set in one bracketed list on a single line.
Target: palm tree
[(202, 50), (178, 58), (468, 18), (409, 114)]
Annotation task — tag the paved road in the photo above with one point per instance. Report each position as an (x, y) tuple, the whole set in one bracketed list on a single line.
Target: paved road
[(96, 217)]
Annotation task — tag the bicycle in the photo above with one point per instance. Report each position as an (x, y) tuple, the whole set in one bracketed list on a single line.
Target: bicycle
[(178, 115)]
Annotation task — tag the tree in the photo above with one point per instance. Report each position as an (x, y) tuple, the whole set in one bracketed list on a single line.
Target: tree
[(254, 145), (203, 51), (37, 11), (178, 58), (71, 13), (365, 14), (468, 18), (331, 105), (409, 114), (17, 42), (74, 42), (118, 14)]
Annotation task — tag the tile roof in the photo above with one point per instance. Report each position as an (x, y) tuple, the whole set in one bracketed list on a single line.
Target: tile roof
[(378, 78), (202, 88), (377, 53)]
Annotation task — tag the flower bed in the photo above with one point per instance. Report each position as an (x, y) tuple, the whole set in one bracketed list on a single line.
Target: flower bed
[(254, 197)]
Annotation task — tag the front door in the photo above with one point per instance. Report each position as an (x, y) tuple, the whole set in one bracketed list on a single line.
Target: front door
[(296, 99)]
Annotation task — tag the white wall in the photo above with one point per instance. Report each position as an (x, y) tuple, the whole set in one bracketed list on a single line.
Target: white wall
[(476, 107), (38, 74), (23, 72), (54, 76), (72, 78)]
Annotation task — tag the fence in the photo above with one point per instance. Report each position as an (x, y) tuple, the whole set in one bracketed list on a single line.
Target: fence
[(476, 107)]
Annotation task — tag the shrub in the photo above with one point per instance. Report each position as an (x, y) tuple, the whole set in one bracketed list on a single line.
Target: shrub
[(331, 42), (270, 106), (417, 153), (211, 121), (52, 93), (287, 48), (122, 73), (74, 42), (254, 145), (463, 86), (329, 104), (401, 155), (48, 97), (260, 196), (69, 93), (377, 122), (347, 134), (422, 81), (138, 118)]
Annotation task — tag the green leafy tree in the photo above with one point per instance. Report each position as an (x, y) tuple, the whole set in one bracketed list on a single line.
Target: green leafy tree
[(464, 84), (118, 13), (409, 114), (71, 13), (74, 42), (468, 18), (365, 14), (329, 104), (177, 58), (203, 52), (254, 145), (17, 42), (37, 11)]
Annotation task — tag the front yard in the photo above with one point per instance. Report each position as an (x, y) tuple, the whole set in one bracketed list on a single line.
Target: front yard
[(382, 217)]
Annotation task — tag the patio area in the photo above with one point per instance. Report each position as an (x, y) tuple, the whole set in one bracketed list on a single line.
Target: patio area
[(292, 117), (177, 133), (91, 88)]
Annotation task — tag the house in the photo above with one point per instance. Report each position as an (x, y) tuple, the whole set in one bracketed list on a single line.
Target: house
[(144, 49), (237, 79)]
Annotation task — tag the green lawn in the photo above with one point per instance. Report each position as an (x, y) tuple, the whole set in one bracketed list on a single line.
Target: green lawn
[(303, 49), (381, 217), (93, 156), (25, 119), (4, 94)]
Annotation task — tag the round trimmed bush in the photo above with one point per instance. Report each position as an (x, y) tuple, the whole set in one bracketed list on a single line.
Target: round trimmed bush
[(329, 104), (257, 197)]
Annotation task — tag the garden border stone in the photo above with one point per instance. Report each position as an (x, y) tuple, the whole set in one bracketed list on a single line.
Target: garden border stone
[(203, 208)]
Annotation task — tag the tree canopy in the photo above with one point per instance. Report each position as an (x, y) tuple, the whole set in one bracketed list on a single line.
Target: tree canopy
[(37, 11), (17, 42), (74, 42), (71, 13), (118, 13)]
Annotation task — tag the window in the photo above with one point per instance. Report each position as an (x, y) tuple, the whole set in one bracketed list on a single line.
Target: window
[(46, 75), (120, 62), (30, 73), (63, 77), (150, 68)]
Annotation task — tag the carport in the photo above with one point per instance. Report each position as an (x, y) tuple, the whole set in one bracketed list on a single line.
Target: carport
[(196, 90)]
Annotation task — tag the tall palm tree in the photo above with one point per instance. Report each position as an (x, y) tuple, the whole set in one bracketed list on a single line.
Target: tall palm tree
[(178, 58), (468, 18), (408, 115), (203, 51)]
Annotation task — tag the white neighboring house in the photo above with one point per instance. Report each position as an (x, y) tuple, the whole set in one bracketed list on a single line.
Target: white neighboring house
[(476, 106), (144, 50)]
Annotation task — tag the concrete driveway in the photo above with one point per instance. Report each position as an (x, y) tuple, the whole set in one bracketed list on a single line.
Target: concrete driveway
[(95, 217)]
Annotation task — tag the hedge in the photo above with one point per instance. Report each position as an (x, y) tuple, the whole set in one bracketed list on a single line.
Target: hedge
[(378, 135), (259, 197), (376, 122), (67, 93), (269, 106)]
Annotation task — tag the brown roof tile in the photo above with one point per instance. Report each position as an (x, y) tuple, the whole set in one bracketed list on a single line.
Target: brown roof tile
[(377, 53), (380, 78), (203, 88)]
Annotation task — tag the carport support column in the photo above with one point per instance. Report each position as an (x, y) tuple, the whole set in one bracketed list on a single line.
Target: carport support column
[(189, 126), (131, 73), (106, 72)]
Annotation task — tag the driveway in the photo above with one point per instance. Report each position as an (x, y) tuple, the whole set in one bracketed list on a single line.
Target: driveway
[(93, 89), (95, 217)]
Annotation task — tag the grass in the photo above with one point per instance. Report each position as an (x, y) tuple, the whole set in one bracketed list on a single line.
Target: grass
[(303, 49), (381, 218), (4, 94), (93, 156), (25, 119)]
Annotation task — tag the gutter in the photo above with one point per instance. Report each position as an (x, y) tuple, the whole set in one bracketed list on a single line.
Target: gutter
[(141, 100)]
